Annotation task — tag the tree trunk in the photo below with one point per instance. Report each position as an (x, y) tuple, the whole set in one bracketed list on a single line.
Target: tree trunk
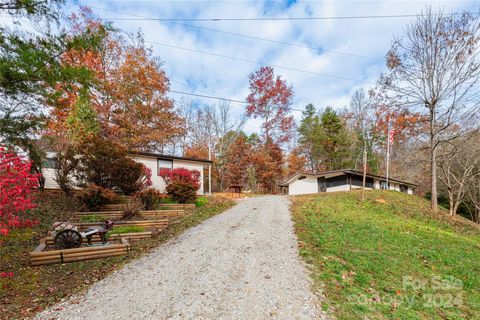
[(451, 204), (433, 162)]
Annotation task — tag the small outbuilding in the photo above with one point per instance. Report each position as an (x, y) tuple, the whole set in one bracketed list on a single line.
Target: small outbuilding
[(340, 180)]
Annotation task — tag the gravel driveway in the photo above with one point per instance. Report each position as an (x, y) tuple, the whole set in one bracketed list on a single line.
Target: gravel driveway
[(242, 264)]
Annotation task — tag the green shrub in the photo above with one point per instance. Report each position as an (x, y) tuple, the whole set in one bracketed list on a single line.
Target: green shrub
[(149, 198), (201, 201), (125, 229), (93, 197), (91, 218), (181, 191), (168, 200)]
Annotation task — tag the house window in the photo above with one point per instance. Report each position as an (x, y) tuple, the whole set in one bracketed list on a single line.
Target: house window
[(336, 181), (403, 188), (164, 164), (358, 181)]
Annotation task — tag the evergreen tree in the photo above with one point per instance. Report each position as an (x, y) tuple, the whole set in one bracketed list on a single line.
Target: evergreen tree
[(311, 133), (335, 141)]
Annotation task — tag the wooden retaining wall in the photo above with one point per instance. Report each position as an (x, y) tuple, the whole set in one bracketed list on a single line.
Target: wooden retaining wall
[(160, 223), (41, 257), (157, 214), (173, 206)]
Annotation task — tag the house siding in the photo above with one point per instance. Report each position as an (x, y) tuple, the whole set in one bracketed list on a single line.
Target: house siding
[(149, 162), (304, 186), (157, 181), (309, 185)]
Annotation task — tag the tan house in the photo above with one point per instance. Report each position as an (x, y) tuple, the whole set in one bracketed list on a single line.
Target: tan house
[(340, 180), (154, 161)]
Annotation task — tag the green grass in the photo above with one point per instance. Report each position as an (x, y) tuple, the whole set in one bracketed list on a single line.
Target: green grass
[(168, 200), (125, 229), (91, 218), (201, 201), (365, 255)]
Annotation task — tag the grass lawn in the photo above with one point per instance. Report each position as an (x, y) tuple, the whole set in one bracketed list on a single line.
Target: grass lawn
[(34, 288), (389, 257)]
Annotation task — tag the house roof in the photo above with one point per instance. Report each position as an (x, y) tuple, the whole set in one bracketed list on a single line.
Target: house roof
[(344, 171), (167, 157)]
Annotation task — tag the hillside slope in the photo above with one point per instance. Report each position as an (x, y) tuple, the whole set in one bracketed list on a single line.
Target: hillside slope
[(389, 257)]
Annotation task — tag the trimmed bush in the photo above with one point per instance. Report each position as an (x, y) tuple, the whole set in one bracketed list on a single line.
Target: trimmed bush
[(149, 198), (93, 197), (182, 184), (108, 165)]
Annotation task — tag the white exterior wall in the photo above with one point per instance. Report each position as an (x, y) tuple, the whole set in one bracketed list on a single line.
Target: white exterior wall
[(304, 186), (376, 184), (410, 190), (151, 163), (157, 181)]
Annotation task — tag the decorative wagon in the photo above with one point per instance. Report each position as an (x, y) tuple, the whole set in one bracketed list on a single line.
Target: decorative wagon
[(67, 236)]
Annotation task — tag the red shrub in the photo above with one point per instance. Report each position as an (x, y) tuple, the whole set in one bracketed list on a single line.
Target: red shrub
[(93, 197), (17, 185), (182, 184)]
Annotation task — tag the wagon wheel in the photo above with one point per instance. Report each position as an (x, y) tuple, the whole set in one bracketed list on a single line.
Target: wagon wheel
[(67, 239)]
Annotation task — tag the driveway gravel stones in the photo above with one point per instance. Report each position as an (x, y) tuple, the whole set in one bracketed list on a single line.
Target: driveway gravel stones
[(242, 264)]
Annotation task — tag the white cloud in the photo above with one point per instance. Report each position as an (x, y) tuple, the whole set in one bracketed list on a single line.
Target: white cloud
[(228, 78)]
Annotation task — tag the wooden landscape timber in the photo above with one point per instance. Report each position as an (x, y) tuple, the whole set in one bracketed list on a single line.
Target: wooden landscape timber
[(160, 223), (157, 214), (41, 257), (172, 206)]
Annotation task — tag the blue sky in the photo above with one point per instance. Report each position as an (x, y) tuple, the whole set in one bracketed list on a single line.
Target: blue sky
[(323, 79)]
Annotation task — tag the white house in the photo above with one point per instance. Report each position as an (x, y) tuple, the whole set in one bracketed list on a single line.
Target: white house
[(153, 161), (340, 180)]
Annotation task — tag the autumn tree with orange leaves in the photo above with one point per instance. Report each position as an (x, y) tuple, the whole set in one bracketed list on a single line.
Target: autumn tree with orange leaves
[(269, 100), (129, 93)]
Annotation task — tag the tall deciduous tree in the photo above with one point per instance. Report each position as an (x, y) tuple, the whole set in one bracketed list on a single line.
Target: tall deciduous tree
[(129, 96), (31, 67), (270, 99), (459, 165), (238, 160), (435, 67)]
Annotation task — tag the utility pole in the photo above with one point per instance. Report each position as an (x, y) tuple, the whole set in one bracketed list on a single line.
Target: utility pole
[(209, 170), (364, 171), (388, 151)]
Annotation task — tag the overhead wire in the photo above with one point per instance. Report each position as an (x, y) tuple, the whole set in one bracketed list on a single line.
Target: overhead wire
[(290, 18), (246, 36)]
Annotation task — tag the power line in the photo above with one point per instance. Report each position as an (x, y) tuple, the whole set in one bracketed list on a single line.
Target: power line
[(208, 96), (257, 62), (290, 18), (285, 43), (218, 98)]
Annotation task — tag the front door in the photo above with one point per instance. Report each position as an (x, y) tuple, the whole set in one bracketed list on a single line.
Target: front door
[(322, 186)]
